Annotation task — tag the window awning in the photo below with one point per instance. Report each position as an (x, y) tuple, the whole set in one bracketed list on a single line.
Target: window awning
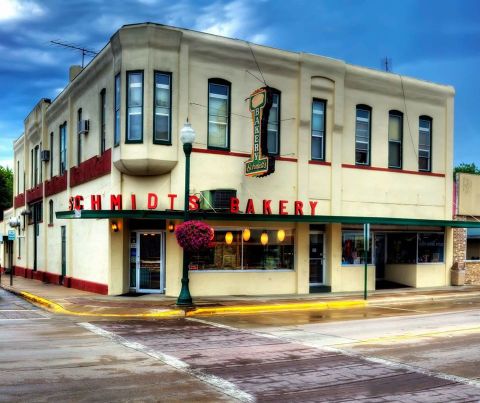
[(222, 216)]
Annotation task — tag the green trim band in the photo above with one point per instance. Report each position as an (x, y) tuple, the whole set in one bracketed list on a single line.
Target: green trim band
[(318, 219)]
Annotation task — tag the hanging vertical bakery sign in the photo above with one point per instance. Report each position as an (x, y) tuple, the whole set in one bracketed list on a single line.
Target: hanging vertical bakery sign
[(260, 164)]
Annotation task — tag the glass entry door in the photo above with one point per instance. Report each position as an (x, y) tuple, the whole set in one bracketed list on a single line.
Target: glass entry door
[(147, 261), (317, 260)]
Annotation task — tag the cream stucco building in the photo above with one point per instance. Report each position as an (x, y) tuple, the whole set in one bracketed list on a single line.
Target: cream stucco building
[(350, 146)]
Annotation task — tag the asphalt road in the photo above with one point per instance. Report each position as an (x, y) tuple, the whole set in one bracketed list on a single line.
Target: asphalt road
[(408, 353)]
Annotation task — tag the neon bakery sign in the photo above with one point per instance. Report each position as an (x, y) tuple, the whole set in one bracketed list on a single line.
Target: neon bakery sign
[(153, 202)]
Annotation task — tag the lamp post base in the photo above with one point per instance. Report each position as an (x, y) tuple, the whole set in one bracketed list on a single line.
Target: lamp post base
[(185, 299)]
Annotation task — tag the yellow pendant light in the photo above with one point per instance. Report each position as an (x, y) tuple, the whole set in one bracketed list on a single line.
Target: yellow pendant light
[(246, 234), (280, 235), (264, 238), (229, 238)]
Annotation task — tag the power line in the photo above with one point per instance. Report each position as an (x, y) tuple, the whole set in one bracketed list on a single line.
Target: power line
[(258, 66)]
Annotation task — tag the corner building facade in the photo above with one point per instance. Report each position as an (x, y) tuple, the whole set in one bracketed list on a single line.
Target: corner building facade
[(351, 146)]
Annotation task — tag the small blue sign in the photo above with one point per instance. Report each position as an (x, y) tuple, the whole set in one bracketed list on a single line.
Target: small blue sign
[(11, 235)]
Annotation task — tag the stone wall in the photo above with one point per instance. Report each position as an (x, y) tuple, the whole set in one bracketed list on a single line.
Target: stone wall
[(472, 273), (459, 247)]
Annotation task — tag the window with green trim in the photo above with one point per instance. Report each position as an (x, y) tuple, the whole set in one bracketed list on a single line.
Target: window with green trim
[(425, 144), (162, 118), (116, 139), (395, 136), (273, 127), (134, 107), (218, 114), (318, 129), (362, 135)]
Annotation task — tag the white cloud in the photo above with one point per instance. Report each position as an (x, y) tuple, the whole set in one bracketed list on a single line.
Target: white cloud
[(7, 163), (19, 10), (235, 19)]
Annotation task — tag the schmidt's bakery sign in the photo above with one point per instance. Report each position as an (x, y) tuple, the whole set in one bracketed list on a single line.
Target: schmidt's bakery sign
[(151, 201)]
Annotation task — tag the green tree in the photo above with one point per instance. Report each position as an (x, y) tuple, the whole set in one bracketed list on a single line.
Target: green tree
[(6, 189), (466, 168)]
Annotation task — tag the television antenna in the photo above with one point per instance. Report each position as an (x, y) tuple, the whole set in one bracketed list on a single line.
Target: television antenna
[(387, 64), (84, 51)]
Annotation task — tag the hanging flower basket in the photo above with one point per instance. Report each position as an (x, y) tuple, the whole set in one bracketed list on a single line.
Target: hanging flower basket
[(194, 236)]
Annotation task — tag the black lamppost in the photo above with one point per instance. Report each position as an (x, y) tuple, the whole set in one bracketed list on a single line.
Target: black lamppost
[(187, 137)]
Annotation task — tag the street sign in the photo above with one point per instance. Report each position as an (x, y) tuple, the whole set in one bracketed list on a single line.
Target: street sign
[(11, 235)]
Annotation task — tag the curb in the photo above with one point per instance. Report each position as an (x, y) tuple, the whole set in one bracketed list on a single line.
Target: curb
[(277, 307), (58, 309), (420, 299), (246, 309)]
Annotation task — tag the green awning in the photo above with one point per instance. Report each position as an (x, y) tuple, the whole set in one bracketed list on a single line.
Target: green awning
[(222, 216)]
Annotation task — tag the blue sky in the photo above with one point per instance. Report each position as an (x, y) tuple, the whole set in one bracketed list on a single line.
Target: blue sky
[(435, 40)]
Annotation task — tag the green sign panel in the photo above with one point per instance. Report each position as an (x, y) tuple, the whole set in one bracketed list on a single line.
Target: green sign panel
[(260, 164)]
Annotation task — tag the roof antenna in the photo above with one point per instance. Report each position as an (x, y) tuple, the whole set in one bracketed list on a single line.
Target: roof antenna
[(258, 67), (387, 64), (84, 51)]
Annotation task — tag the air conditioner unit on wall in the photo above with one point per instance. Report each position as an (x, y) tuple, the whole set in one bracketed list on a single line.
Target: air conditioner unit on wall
[(45, 155), (83, 126), (216, 199)]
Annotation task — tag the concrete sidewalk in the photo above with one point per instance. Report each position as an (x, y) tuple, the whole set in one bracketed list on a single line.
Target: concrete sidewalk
[(69, 301)]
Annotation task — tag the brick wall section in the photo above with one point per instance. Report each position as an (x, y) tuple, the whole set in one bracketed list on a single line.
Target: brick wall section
[(472, 273), (459, 246)]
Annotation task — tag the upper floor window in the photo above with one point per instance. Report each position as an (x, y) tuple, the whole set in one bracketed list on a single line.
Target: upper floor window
[(32, 163), (103, 114), (395, 136), (51, 155), (79, 136), (35, 166), (116, 133), (362, 135), (218, 114), (134, 107), (63, 149), (425, 144), (318, 129), (50, 212), (162, 119), (273, 127), (18, 178)]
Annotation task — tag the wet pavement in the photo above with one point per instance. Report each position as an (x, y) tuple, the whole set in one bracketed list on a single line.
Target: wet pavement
[(80, 302), (421, 352)]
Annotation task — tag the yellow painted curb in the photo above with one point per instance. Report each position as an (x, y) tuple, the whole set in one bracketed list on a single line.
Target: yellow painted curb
[(277, 307), (57, 308)]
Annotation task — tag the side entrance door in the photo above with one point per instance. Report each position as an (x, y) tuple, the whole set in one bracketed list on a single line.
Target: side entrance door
[(317, 259), (147, 261)]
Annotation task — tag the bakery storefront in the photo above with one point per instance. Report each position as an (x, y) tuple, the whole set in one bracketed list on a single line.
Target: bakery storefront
[(272, 251)]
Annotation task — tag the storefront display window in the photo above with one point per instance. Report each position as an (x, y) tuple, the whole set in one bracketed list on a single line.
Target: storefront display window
[(401, 248), (353, 248), (247, 249), (430, 247)]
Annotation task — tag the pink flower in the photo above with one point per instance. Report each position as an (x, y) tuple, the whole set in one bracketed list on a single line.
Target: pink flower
[(194, 236)]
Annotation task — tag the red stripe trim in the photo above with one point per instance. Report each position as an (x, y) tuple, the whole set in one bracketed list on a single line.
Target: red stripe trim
[(89, 286), (236, 154), (289, 159), (55, 278), (313, 162), (220, 152), (398, 171)]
